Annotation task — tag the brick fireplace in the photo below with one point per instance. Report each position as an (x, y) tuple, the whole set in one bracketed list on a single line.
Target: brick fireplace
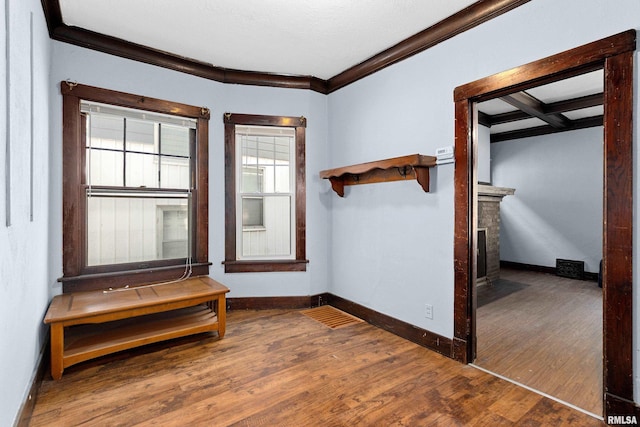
[(489, 198)]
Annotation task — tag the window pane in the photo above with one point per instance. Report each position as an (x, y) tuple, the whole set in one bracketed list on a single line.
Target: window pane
[(274, 238), (252, 212), (105, 132), (175, 227), (249, 147), (174, 172), (135, 229), (252, 179), (142, 170), (174, 140), (282, 178), (105, 167), (141, 136)]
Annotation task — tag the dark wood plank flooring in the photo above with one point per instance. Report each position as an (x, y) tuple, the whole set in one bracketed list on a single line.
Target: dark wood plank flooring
[(281, 368), (544, 331)]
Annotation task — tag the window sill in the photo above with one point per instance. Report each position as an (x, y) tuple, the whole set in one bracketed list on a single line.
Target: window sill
[(256, 228), (118, 279), (265, 266)]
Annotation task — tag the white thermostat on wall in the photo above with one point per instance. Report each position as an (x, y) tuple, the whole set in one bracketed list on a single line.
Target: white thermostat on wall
[(444, 155)]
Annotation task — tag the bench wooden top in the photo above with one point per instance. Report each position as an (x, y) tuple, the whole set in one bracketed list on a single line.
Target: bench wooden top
[(78, 305)]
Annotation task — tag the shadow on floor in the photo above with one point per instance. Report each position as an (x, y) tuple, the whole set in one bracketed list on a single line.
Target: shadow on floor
[(498, 289)]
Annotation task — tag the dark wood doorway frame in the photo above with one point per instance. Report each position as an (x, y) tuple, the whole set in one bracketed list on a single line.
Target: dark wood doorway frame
[(615, 55)]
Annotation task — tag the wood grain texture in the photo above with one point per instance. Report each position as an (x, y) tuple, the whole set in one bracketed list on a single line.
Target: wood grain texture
[(281, 368), (413, 166), (462, 249), (269, 303), (402, 329), (580, 60), (413, 160), (618, 224), (544, 331), (86, 325)]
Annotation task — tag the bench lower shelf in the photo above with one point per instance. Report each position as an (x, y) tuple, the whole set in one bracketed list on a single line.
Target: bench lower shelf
[(85, 342)]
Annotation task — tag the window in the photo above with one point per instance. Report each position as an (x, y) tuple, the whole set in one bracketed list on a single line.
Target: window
[(135, 210), (265, 193)]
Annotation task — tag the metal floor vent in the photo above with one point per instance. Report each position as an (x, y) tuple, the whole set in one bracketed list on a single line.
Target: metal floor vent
[(569, 268), (331, 317)]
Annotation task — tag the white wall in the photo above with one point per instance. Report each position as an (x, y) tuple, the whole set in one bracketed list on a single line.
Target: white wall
[(484, 154), (391, 244), (24, 274), (556, 211), (98, 69)]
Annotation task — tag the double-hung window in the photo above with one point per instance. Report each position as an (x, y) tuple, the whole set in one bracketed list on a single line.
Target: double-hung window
[(134, 191), (265, 206)]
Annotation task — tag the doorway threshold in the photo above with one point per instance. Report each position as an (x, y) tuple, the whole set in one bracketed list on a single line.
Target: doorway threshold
[(570, 405)]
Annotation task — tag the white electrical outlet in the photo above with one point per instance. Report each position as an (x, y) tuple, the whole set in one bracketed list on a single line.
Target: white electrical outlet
[(428, 311)]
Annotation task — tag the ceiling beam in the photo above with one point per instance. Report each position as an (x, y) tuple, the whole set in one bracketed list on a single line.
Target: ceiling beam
[(485, 119), (587, 122), (553, 107), (535, 108), (575, 103)]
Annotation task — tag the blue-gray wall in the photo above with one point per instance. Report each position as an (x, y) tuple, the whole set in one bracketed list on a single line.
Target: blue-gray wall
[(98, 69), (387, 246), (556, 211), (24, 270)]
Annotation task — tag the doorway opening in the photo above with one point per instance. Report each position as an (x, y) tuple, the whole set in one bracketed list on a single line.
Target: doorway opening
[(541, 195), (614, 55)]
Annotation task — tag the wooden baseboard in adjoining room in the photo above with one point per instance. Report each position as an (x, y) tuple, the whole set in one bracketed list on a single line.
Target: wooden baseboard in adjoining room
[(592, 277), (26, 409)]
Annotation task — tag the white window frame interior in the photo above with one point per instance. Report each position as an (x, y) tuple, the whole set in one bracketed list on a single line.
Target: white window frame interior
[(269, 131)]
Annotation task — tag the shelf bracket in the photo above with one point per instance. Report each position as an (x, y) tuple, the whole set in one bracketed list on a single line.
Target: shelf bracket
[(422, 176), (337, 184)]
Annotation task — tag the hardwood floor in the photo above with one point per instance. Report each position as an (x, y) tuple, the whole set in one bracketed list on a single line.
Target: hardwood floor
[(281, 368), (544, 331)]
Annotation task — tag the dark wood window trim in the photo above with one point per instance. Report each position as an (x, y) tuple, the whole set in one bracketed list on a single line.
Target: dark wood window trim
[(614, 55), (231, 264), (76, 275), (469, 17)]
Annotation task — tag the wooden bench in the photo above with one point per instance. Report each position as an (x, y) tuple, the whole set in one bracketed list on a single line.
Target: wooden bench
[(86, 325)]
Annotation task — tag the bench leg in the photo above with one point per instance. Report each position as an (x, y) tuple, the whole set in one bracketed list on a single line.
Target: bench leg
[(57, 350), (222, 315)]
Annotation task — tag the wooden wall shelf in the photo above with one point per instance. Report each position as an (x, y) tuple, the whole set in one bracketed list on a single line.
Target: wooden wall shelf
[(414, 166)]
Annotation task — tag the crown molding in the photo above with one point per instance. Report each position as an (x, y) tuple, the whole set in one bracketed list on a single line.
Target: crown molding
[(474, 15)]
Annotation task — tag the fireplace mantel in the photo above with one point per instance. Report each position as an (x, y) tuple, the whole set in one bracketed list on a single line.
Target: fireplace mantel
[(485, 190)]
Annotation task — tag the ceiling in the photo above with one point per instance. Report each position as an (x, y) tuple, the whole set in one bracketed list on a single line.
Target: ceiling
[(325, 44), (319, 38)]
